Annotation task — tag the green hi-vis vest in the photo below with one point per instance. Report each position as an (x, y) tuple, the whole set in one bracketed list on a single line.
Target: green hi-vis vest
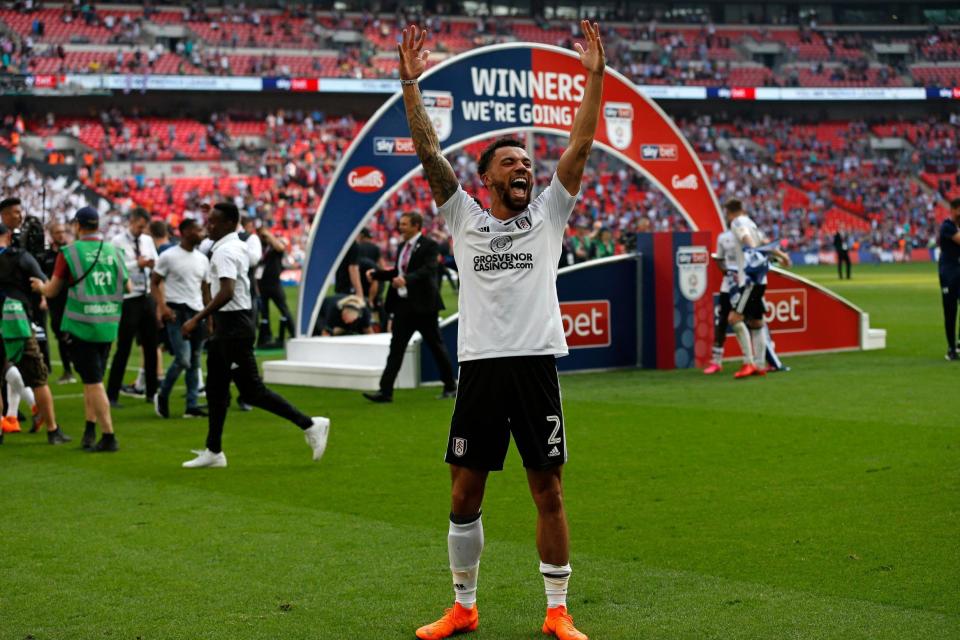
[(93, 304), (15, 327)]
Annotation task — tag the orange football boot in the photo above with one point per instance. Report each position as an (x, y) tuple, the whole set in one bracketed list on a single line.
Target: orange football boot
[(712, 368), (10, 424), (559, 623), (760, 371), (746, 371), (456, 620)]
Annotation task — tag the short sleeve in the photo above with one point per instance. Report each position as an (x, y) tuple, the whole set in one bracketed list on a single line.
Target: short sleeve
[(457, 209), (162, 267), (557, 204), (61, 270), (29, 264), (226, 265)]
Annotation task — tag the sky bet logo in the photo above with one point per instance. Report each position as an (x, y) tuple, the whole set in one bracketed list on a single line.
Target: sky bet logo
[(586, 324), (786, 310), (394, 147), (658, 152)]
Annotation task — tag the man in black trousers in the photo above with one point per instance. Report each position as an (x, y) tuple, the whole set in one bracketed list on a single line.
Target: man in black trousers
[(414, 300), (949, 267), (841, 244)]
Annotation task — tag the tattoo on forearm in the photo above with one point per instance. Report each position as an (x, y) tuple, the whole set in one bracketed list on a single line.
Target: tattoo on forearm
[(439, 173)]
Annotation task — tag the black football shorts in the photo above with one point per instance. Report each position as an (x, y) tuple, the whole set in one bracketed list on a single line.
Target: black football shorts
[(748, 301), (497, 397)]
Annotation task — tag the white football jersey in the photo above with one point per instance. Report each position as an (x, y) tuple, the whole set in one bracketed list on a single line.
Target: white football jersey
[(508, 275), (731, 258), (743, 228)]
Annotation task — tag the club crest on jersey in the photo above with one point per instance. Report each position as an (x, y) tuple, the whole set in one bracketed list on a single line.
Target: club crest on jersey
[(692, 271), (501, 244), (524, 223), (459, 447), (439, 107), (619, 119)]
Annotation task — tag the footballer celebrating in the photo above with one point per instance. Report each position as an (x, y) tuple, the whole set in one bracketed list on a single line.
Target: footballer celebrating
[(510, 333)]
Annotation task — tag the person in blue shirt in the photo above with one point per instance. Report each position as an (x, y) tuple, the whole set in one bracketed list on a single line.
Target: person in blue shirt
[(949, 239)]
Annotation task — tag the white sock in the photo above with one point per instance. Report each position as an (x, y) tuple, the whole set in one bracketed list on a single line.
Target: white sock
[(718, 355), (464, 544), (743, 337), (200, 377), (27, 396), (141, 379), (555, 580), (14, 390), (759, 347)]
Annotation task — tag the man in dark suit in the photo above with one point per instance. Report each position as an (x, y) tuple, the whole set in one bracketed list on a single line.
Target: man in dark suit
[(840, 241), (414, 300)]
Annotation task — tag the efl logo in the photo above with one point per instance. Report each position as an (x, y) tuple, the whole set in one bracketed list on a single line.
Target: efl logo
[(366, 179), (586, 324), (658, 152), (786, 310), (393, 147)]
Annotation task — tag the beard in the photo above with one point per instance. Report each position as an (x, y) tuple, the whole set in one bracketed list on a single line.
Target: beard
[(510, 201)]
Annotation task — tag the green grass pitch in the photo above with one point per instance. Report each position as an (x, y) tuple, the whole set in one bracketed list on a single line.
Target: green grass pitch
[(824, 505)]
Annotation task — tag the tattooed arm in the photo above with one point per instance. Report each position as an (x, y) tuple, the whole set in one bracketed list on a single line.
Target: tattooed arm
[(413, 62)]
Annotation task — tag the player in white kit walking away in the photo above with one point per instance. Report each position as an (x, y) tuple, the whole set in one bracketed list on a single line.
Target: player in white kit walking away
[(510, 333), (746, 299)]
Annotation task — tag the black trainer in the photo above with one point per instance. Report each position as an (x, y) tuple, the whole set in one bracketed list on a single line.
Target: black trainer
[(952, 355), (161, 404), (195, 412), (243, 405), (88, 440), (378, 397), (448, 393), (58, 437), (105, 445)]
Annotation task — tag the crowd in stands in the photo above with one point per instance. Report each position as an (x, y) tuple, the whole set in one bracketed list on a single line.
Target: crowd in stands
[(240, 40), (800, 181)]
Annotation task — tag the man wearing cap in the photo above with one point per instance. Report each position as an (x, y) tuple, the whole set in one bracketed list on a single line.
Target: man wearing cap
[(96, 278), (25, 366)]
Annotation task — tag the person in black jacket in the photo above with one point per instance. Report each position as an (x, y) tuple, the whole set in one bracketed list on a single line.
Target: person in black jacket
[(414, 300), (949, 267), (841, 244)]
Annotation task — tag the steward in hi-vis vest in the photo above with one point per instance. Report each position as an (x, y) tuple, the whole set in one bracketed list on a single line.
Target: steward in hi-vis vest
[(22, 360), (96, 293), (96, 279)]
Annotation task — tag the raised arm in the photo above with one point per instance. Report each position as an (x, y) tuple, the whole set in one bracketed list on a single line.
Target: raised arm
[(573, 160), (413, 62)]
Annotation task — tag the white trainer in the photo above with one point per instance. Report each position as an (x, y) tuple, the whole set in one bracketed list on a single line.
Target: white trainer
[(206, 458), (316, 436)]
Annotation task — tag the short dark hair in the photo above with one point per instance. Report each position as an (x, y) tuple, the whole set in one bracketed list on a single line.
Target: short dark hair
[(483, 163), (415, 218), (139, 214), (186, 223), (8, 202), (733, 205), (229, 211), (158, 229), (954, 204)]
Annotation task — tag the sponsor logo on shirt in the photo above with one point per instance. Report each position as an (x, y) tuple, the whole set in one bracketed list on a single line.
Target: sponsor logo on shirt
[(501, 244), (586, 324), (690, 182), (393, 147), (366, 179), (658, 152)]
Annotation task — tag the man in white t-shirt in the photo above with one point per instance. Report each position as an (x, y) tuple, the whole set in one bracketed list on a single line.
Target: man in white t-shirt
[(230, 356), (178, 279), (510, 333)]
